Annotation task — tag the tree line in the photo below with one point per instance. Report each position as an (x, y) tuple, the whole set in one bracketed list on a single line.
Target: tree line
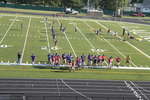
[(103, 4)]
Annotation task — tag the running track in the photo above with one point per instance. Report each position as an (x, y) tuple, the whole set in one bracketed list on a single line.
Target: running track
[(64, 89)]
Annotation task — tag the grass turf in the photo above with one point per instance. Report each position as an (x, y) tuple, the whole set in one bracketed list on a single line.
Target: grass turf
[(35, 34), (98, 74)]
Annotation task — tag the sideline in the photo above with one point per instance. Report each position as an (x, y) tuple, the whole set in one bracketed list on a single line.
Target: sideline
[(98, 67)]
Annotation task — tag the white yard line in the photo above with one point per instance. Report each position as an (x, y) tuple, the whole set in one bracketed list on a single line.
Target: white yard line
[(113, 45), (68, 40), (146, 55), (77, 92), (93, 47), (100, 67), (90, 42), (25, 42), (48, 43), (8, 30)]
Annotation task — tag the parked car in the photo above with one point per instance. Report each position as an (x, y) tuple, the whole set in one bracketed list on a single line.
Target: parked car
[(71, 11), (138, 14), (75, 12)]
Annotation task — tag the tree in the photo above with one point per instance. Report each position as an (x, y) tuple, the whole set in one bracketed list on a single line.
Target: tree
[(136, 1)]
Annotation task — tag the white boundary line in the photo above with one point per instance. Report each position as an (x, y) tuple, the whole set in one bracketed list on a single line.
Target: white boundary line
[(104, 67), (68, 41), (48, 43), (113, 45), (110, 44), (8, 30), (91, 43), (25, 42), (139, 90), (85, 37), (146, 55), (88, 98)]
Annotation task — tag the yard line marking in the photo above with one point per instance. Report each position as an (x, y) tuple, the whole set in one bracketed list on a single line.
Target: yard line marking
[(81, 94), (8, 30), (136, 94), (91, 43), (68, 40), (139, 90), (146, 55), (87, 39), (113, 45), (25, 40), (49, 50), (107, 41)]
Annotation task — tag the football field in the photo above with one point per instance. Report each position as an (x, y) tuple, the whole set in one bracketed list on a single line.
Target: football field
[(32, 35)]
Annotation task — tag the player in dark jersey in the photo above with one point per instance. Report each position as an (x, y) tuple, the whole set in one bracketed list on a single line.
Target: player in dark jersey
[(49, 58), (75, 29), (89, 59), (97, 32), (123, 33), (33, 58), (63, 29), (63, 58), (83, 60), (95, 60), (55, 43), (19, 57), (108, 31), (53, 33)]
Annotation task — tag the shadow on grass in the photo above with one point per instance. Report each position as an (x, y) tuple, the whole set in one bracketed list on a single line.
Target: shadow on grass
[(42, 67), (53, 69)]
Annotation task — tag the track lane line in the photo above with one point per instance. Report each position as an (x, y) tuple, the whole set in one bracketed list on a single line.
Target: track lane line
[(77, 92)]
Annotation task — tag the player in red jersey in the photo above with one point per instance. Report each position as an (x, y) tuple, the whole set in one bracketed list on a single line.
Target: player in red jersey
[(110, 62), (118, 60)]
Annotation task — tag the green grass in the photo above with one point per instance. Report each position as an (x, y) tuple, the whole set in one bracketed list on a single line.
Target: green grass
[(98, 74), (26, 10), (82, 41)]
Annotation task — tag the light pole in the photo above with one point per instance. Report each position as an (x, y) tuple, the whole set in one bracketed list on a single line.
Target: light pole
[(88, 4)]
